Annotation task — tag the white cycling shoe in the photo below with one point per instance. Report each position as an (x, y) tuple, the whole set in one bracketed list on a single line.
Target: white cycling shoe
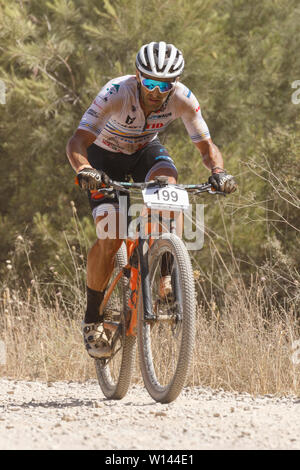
[(95, 340)]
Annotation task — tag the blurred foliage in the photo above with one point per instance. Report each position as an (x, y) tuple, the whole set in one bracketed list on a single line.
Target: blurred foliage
[(241, 60)]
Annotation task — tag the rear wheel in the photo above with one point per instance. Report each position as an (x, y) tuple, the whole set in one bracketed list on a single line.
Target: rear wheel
[(114, 373), (166, 343)]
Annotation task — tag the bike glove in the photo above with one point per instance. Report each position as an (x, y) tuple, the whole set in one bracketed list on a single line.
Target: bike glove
[(223, 182), (90, 178)]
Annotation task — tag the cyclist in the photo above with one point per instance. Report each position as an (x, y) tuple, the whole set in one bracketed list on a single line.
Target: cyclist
[(117, 138)]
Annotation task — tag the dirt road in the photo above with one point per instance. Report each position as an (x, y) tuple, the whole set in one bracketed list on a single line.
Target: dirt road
[(61, 415)]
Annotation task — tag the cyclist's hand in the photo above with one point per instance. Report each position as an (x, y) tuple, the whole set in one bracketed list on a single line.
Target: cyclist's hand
[(223, 182), (90, 178)]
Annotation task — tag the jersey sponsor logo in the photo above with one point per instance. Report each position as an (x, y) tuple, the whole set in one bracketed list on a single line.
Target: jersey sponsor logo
[(161, 116), (111, 145), (129, 120), (156, 125), (187, 92), (93, 113), (113, 90), (132, 127), (165, 104), (116, 87)]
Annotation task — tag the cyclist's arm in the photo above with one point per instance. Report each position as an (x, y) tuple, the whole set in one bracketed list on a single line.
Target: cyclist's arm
[(211, 155), (106, 103), (77, 149), (190, 112)]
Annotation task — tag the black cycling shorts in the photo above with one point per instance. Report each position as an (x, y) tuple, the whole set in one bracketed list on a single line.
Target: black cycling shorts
[(120, 167)]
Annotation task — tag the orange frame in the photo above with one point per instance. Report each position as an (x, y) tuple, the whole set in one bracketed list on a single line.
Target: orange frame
[(131, 245)]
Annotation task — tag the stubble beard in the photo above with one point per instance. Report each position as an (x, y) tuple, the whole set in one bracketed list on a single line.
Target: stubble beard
[(151, 107)]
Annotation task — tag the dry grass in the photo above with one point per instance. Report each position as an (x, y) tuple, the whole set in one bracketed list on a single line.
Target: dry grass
[(242, 349), (237, 349), (42, 342)]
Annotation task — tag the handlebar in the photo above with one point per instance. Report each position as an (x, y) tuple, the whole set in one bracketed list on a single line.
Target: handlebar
[(159, 181)]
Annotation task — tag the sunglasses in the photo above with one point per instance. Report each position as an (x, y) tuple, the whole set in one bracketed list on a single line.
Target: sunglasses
[(150, 84)]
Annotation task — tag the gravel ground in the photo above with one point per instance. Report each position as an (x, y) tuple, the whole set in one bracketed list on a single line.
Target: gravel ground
[(69, 415)]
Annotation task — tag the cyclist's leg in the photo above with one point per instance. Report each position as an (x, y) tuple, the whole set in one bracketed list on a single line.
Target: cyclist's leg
[(100, 261), (156, 161), (100, 265)]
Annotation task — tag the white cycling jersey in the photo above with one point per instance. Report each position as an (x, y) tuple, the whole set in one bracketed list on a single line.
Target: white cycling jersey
[(117, 119)]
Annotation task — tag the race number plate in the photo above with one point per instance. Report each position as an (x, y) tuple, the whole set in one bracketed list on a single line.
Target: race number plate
[(167, 198)]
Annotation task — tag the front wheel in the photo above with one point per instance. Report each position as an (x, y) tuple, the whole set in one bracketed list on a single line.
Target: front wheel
[(166, 343), (114, 373)]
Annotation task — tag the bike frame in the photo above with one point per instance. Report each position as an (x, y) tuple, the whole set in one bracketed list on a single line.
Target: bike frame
[(137, 269), (137, 272)]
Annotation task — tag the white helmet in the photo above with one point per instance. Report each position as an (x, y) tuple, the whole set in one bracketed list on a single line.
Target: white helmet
[(160, 60)]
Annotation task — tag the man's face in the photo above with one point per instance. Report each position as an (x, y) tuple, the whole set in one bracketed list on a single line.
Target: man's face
[(152, 100)]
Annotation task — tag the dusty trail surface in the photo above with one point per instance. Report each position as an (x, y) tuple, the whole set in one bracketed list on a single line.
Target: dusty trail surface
[(62, 415)]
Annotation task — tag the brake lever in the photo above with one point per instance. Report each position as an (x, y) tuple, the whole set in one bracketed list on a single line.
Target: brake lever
[(119, 187), (112, 188)]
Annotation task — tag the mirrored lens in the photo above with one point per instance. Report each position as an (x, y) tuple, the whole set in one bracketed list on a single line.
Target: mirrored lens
[(151, 84)]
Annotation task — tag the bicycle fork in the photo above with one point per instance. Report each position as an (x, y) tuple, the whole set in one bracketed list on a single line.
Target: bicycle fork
[(143, 248), (134, 286), (139, 284)]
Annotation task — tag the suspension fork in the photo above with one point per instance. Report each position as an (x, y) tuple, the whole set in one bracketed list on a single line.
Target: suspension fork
[(143, 248), (133, 274), (175, 276), (139, 284)]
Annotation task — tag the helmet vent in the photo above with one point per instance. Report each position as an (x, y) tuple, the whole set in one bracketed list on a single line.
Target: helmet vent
[(159, 59)]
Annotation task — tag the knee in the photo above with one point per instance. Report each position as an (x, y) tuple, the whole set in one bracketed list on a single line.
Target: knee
[(170, 172)]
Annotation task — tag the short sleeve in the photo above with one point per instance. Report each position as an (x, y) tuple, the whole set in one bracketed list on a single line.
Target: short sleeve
[(104, 105), (188, 108)]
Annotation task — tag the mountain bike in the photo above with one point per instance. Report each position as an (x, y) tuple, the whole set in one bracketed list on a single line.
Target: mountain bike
[(135, 308)]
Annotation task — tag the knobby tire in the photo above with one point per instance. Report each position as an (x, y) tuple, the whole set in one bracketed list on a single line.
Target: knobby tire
[(114, 375), (164, 365)]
